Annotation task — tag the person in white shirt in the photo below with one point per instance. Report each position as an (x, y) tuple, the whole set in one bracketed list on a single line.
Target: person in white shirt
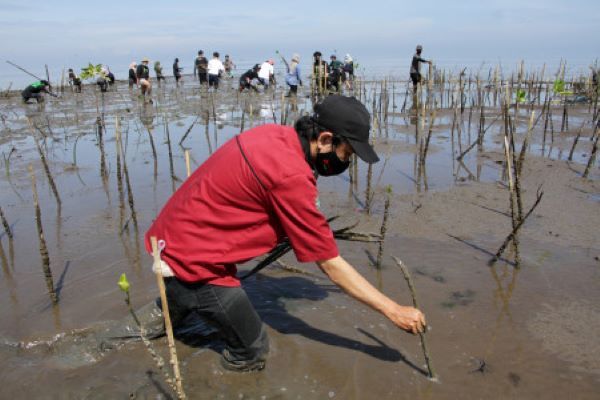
[(215, 69), (266, 73)]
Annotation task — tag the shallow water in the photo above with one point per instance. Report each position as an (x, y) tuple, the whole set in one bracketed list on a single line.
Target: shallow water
[(490, 335)]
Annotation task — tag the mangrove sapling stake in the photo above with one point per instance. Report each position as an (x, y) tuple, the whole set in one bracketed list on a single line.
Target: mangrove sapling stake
[(166, 315), (158, 360), (592, 158), (187, 132), (49, 175), (129, 192), (524, 145), (570, 158), (383, 230), (513, 234), (43, 247), (368, 191), (400, 264), (154, 156), (511, 189), (100, 132), (6, 225)]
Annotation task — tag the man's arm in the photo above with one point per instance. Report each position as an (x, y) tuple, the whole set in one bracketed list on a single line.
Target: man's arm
[(345, 276)]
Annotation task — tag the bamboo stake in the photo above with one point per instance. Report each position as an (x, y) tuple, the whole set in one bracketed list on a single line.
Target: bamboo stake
[(414, 299), (43, 247), (186, 153), (165, 310)]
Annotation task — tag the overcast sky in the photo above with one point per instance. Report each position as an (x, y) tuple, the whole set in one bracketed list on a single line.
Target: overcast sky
[(66, 33)]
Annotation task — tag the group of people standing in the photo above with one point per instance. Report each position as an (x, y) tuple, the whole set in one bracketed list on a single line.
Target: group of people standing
[(326, 77)]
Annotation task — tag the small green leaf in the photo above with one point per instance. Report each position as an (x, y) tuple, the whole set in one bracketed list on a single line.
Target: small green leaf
[(521, 94), (124, 283)]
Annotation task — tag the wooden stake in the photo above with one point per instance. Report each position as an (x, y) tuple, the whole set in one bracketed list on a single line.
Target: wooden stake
[(165, 311), (414, 299), (6, 225), (43, 247), (186, 153), (383, 230)]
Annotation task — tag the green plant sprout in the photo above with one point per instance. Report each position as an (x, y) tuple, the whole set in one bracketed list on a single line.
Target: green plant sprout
[(92, 71), (521, 96)]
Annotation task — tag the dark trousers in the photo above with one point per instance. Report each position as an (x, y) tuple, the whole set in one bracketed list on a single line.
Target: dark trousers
[(228, 309), (213, 80), (202, 76), (29, 95)]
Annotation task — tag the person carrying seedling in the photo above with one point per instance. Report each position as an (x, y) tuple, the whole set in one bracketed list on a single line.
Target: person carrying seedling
[(143, 75), (415, 67), (257, 190), (35, 90)]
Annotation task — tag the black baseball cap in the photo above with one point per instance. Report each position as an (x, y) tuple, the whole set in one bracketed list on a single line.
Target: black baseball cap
[(348, 118)]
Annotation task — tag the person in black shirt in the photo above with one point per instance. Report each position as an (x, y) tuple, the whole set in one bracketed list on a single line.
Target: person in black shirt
[(143, 74), (247, 77), (201, 67), (177, 71), (74, 81), (415, 67), (35, 90)]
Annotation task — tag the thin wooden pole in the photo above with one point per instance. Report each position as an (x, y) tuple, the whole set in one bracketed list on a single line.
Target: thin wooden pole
[(187, 162), (167, 316), (415, 304)]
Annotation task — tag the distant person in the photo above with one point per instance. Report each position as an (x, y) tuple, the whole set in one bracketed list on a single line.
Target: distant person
[(74, 81), (248, 77), (110, 77), (215, 70), (320, 72), (266, 73), (335, 73), (177, 71), (158, 72), (415, 68), (133, 80), (229, 66), (292, 78), (200, 67), (348, 71), (35, 90), (143, 74), (102, 80)]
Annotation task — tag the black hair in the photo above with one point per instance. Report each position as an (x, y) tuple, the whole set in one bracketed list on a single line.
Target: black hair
[(216, 54), (200, 52), (317, 53), (177, 60)]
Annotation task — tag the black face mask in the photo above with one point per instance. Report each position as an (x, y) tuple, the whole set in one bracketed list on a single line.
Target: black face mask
[(329, 164)]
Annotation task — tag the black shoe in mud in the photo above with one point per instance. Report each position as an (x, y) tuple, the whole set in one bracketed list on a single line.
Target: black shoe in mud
[(241, 365)]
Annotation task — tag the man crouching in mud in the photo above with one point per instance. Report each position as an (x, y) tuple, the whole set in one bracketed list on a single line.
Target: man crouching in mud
[(257, 189)]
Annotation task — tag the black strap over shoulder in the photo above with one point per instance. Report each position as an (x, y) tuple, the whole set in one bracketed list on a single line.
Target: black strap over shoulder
[(237, 139)]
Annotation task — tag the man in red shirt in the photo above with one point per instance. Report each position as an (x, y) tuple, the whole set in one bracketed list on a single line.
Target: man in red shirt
[(257, 189)]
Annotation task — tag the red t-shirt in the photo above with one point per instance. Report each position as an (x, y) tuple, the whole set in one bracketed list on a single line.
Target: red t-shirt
[(222, 215)]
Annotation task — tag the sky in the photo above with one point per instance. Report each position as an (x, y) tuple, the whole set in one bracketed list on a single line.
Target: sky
[(67, 33)]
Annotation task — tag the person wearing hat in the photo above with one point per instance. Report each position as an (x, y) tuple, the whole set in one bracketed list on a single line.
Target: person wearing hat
[(248, 77), (293, 78), (35, 90), (415, 67), (257, 190), (143, 75)]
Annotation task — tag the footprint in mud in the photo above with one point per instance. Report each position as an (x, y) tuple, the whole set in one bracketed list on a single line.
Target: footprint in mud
[(459, 298), (435, 276)]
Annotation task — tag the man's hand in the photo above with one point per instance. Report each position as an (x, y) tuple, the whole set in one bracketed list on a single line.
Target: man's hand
[(408, 318)]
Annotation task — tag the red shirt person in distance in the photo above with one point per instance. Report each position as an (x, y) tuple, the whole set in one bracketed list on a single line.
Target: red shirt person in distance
[(254, 191)]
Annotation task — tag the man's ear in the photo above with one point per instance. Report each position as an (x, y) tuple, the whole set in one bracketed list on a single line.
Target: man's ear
[(324, 139)]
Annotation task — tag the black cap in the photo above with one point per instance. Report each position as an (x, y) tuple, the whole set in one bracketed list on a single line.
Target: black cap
[(348, 118)]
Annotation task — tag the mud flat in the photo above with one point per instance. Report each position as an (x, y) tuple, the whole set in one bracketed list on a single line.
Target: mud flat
[(501, 331)]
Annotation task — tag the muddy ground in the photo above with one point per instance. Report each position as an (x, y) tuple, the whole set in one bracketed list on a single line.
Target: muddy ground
[(496, 332)]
